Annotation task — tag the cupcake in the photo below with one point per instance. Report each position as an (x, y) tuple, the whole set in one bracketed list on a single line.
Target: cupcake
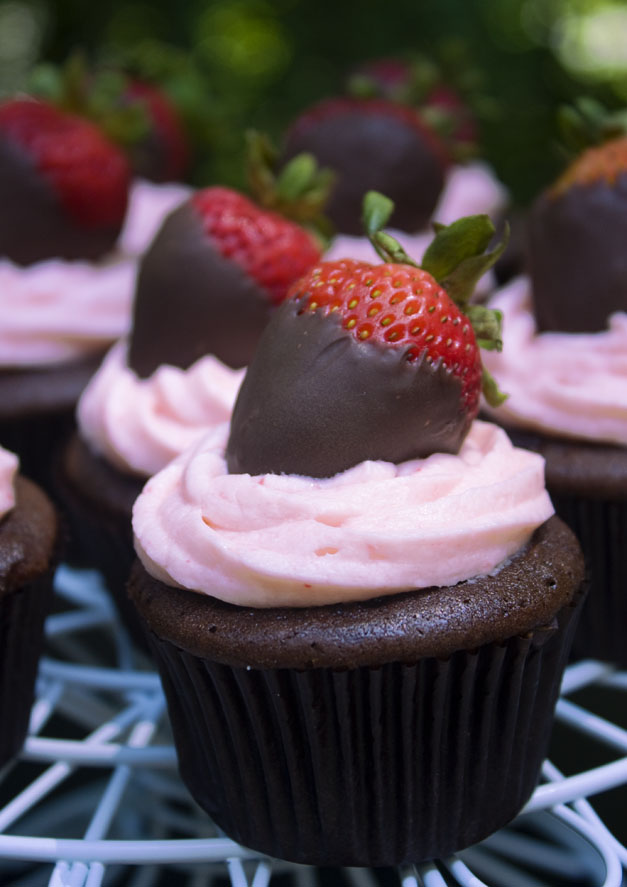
[(564, 366), (357, 597), (206, 289), (28, 532), (67, 268)]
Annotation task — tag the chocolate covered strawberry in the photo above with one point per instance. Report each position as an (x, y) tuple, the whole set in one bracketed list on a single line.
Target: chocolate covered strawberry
[(63, 185), (211, 278), (444, 98), (577, 230), (370, 361), (373, 144), (137, 115)]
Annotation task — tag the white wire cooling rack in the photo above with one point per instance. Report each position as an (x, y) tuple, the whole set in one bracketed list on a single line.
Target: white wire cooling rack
[(94, 798)]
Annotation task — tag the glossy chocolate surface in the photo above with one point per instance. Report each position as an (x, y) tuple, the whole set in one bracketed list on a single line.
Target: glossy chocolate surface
[(33, 224), (369, 151), (578, 256), (315, 401), (191, 301)]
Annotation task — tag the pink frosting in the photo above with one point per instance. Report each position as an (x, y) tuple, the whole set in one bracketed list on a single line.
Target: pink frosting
[(468, 190), (148, 206), (54, 311), (8, 470), (139, 425), (57, 311), (378, 528), (567, 384)]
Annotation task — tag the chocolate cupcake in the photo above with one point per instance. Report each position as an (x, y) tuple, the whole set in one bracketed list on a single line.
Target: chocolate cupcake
[(68, 254), (564, 367), (360, 632), (206, 289), (28, 534)]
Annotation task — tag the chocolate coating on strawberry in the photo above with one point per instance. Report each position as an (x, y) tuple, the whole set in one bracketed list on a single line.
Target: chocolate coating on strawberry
[(366, 362), (63, 186), (373, 144), (316, 401), (191, 301), (33, 225), (210, 280), (576, 241)]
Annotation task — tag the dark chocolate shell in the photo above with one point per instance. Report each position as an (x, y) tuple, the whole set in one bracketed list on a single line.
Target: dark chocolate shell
[(316, 401), (191, 301)]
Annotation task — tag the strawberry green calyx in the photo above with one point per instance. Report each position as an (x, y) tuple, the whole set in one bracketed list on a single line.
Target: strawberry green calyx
[(587, 123), (298, 191), (456, 259), (100, 96)]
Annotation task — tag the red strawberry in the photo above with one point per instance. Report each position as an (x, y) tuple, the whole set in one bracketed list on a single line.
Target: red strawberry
[(210, 279), (64, 186), (373, 144), (402, 305), (370, 361), (162, 155), (270, 248)]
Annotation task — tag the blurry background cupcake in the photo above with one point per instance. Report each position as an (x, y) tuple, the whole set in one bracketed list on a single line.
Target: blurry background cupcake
[(564, 365)]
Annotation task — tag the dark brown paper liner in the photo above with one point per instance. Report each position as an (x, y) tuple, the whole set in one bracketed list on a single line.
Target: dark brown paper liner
[(587, 483), (101, 531), (367, 766), (22, 615), (37, 412), (601, 527)]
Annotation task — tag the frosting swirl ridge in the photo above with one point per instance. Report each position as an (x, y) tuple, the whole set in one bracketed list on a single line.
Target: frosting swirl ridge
[(376, 529), (139, 425)]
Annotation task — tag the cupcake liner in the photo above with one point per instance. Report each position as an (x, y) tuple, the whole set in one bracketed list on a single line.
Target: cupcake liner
[(37, 412), (601, 527), (99, 520), (22, 615), (367, 766)]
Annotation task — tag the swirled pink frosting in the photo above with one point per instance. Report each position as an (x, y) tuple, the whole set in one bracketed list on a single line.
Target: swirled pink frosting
[(376, 529), (8, 470), (468, 190), (567, 384), (139, 425), (57, 311)]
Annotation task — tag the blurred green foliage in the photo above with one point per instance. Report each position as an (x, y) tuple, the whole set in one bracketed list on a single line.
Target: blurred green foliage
[(235, 64)]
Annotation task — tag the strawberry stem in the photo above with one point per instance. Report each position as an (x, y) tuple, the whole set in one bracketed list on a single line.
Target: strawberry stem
[(456, 258), (298, 191)]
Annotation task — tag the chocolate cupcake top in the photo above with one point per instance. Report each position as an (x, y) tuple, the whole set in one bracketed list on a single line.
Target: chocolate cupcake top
[(28, 528)]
